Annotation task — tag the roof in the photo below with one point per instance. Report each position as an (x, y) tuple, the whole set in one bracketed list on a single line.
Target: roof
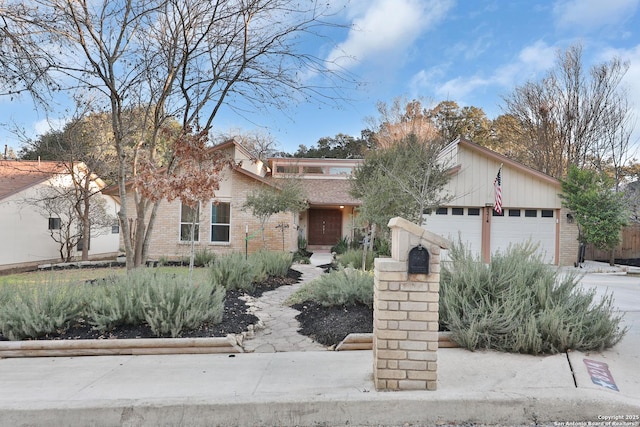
[(329, 192), (18, 175)]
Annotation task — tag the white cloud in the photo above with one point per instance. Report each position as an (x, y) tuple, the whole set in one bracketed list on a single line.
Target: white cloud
[(592, 14), (47, 125), (530, 62), (386, 27)]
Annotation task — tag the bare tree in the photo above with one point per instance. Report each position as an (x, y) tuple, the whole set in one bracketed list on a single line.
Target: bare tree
[(573, 117), (181, 59), (260, 144), (78, 214)]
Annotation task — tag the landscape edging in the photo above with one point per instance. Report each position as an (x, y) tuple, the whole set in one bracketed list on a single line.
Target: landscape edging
[(106, 347)]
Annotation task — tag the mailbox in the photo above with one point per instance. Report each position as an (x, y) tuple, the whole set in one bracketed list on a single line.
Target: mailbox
[(419, 260)]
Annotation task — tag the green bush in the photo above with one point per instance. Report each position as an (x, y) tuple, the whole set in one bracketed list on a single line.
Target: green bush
[(116, 301), (273, 263), (341, 247), (203, 258), (172, 304), (35, 311), (233, 271), (519, 304), (353, 258), (382, 247), (345, 286)]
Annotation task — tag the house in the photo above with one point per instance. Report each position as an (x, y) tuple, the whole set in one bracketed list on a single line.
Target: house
[(531, 206), (224, 226), (25, 230)]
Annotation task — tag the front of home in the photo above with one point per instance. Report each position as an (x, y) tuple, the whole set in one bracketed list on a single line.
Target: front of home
[(224, 226), (25, 230), (531, 207)]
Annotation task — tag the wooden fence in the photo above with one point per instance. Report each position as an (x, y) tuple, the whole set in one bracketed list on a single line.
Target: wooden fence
[(629, 248)]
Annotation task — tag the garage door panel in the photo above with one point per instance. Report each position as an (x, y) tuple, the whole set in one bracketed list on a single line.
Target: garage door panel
[(465, 228), (506, 230)]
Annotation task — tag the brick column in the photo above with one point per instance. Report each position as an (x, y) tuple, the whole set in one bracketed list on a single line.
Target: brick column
[(405, 330)]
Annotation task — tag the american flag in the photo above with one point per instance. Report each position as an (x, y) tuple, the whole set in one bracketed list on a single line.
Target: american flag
[(497, 186)]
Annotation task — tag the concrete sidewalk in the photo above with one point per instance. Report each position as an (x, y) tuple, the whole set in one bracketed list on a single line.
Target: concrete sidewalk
[(308, 388)]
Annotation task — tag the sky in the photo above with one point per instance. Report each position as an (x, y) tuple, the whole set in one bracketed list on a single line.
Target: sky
[(473, 52)]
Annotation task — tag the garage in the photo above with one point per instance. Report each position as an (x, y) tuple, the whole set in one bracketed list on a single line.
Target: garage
[(530, 206)]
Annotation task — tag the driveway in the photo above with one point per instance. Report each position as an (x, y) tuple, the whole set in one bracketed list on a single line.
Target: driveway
[(626, 294)]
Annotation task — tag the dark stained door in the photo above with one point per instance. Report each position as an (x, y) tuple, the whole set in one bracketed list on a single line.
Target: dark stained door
[(325, 226)]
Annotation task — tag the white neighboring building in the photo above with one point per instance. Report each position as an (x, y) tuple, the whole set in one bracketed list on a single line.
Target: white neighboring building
[(531, 207), (25, 238)]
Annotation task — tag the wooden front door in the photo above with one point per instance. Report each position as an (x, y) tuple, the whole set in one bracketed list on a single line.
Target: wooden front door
[(325, 226)]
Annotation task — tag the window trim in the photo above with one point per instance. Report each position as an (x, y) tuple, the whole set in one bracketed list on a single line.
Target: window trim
[(212, 224), (188, 224), (55, 223)]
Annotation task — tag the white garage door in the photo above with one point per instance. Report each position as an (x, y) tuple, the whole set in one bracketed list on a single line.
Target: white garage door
[(521, 225), (464, 224)]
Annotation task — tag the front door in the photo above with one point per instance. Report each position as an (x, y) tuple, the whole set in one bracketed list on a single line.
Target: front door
[(325, 226)]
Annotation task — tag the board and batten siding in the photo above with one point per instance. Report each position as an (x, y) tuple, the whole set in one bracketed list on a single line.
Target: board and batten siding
[(473, 183)]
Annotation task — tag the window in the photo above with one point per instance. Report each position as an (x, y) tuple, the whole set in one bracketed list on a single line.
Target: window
[(287, 169), (339, 170), (442, 211), (188, 216), (547, 213), (473, 211), (514, 212), (220, 222), (457, 211), (530, 213), (115, 229), (494, 213), (318, 170), (54, 224)]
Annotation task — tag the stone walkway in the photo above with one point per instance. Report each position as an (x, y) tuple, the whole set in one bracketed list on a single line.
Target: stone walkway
[(278, 329)]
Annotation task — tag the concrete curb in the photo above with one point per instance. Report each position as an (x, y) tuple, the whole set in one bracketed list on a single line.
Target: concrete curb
[(378, 409), (136, 346)]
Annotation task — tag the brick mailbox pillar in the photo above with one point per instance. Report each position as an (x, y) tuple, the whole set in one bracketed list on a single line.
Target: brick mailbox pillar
[(405, 314)]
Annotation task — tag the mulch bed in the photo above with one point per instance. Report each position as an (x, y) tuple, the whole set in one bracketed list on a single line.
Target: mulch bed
[(330, 325), (235, 320)]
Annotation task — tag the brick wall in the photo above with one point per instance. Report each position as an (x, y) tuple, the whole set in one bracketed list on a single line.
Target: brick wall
[(405, 330), (165, 238), (568, 240)]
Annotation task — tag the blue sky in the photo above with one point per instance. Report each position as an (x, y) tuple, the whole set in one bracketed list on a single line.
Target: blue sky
[(472, 52)]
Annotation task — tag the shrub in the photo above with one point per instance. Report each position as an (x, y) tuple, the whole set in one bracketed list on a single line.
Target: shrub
[(519, 304), (116, 301), (345, 286), (273, 263), (203, 258), (35, 311), (233, 271), (341, 247), (173, 304), (169, 304), (382, 247), (353, 258)]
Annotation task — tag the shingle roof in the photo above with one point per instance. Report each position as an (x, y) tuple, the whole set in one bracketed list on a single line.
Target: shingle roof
[(18, 175), (329, 192)]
